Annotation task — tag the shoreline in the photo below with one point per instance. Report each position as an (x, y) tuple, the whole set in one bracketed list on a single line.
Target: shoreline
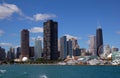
[(57, 65)]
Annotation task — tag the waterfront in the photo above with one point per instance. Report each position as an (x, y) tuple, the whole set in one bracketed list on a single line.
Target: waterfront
[(58, 71)]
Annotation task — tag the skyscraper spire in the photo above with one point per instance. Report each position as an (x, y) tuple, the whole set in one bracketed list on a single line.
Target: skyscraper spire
[(99, 25)]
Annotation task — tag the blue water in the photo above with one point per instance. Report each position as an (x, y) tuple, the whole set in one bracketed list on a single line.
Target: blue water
[(55, 71)]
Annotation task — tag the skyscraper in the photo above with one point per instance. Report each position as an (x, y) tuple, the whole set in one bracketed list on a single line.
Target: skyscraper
[(18, 52), (75, 47), (59, 48), (69, 48), (2, 54), (24, 43), (63, 47), (99, 41), (92, 45), (74, 43), (31, 52), (50, 40), (12, 50), (77, 52), (11, 54), (38, 48)]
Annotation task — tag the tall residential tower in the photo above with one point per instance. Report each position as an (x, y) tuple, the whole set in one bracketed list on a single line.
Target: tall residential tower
[(50, 40), (24, 43)]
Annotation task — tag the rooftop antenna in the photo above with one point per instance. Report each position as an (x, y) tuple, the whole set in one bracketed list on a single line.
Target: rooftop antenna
[(98, 24)]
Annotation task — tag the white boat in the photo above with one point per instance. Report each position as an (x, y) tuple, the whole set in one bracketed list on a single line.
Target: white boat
[(71, 62), (94, 62), (61, 63)]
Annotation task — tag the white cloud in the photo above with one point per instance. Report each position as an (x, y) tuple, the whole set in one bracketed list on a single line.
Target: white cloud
[(7, 10), (39, 37), (1, 32), (70, 36), (41, 17), (6, 44), (36, 30)]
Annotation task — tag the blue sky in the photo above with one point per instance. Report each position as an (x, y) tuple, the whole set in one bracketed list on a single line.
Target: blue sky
[(77, 18)]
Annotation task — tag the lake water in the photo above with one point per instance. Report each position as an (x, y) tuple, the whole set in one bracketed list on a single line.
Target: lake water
[(57, 71)]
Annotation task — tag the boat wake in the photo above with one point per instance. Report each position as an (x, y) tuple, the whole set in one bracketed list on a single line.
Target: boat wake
[(43, 76), (25, 73), (2, 71)]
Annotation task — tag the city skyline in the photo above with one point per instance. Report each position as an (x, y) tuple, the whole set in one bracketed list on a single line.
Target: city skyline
[(79, 19)]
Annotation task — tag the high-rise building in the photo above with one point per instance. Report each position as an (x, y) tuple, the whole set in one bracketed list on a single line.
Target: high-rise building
[(38, 48), (76, 52), (83, 52), (69, 48), (12, 50), (92, 45), (11, 54), (31, 52), (63, 47), (59, 48), (74, 43), (75, 47), (24, 43), (2, 54), (50, 40), (99, 41), (18, 52)]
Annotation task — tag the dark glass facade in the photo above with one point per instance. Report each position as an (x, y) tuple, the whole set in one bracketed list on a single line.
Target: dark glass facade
[(2, 54), (50, 40), (99, 41), (31, 52), (76, 52), (69, 48), (18, 52), (24, 43)]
